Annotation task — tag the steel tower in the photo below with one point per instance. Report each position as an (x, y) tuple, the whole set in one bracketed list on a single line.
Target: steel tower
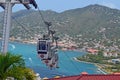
[(7, 6)]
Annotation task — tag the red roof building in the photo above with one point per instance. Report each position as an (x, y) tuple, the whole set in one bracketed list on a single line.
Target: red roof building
[(92, 51), (90, 77)]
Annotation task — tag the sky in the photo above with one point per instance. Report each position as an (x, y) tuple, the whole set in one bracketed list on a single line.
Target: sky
[(62, 5)]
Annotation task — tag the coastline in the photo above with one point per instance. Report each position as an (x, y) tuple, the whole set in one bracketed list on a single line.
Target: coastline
[(74, 58), (96, 64)]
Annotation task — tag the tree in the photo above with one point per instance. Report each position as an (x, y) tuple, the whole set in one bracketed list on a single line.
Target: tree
[(12, 65)]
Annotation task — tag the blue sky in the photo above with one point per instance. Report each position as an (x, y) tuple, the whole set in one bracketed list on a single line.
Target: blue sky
[(62, 5)]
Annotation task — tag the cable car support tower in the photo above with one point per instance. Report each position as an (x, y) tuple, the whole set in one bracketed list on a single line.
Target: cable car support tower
[(7, 6)]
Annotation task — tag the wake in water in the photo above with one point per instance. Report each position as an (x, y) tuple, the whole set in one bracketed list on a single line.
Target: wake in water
[(12, 47), (30, 59)]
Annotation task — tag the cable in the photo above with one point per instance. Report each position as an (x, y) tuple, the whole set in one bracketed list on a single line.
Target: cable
[(21, 25), (43, 19), (77, 69), (41, 15), (64, 67)]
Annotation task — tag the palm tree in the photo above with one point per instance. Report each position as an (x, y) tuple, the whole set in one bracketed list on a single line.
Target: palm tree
[(12, 65)]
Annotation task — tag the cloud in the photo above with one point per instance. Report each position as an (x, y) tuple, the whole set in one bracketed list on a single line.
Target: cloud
[(111, 5)]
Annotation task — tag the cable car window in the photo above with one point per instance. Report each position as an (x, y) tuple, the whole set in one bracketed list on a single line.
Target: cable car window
[(42, 45)]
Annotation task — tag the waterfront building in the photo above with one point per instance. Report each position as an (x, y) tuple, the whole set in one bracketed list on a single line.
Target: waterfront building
[(110, 54), (92, 51), (115, 61)]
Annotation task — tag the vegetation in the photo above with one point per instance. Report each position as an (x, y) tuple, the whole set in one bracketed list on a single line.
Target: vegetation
[(93, 58), (102, 62), (12, 65)]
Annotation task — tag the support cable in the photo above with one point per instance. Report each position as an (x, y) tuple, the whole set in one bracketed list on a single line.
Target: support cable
[(43, 19), (22, 26), (64, 66), (48, 24), (77, 69)]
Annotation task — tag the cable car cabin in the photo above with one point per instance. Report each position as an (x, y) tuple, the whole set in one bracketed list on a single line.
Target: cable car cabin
[(47, 52), (43, 48)]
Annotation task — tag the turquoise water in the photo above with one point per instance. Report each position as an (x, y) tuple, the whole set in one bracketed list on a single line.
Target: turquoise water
[(66, 63)]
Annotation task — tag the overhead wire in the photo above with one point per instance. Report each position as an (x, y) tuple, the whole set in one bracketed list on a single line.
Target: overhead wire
[(21, 26), (43, 19), (66, 68), (77, 69), (48, 24)]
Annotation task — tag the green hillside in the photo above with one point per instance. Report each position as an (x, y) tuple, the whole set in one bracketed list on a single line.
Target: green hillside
[(88, 22)]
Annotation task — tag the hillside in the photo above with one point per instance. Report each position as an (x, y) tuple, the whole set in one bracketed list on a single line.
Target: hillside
[(92, 21)]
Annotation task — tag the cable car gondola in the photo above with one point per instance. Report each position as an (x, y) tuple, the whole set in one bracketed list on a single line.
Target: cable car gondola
[(48, 52), (43, 48)]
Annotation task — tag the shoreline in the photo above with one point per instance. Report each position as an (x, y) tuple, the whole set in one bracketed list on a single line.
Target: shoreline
[(96, 64), (74, 58)]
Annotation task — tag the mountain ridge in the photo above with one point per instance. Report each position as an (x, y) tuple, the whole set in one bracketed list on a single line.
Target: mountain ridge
[(87, 21)]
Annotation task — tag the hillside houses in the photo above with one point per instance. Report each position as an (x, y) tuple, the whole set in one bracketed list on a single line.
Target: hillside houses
[(108, 51), (92, 51), (110, 54)]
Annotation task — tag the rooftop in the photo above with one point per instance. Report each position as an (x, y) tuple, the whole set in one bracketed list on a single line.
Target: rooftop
[(90, 77)]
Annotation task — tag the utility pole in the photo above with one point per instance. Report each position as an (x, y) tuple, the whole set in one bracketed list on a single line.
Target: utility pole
[(7, 6)]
